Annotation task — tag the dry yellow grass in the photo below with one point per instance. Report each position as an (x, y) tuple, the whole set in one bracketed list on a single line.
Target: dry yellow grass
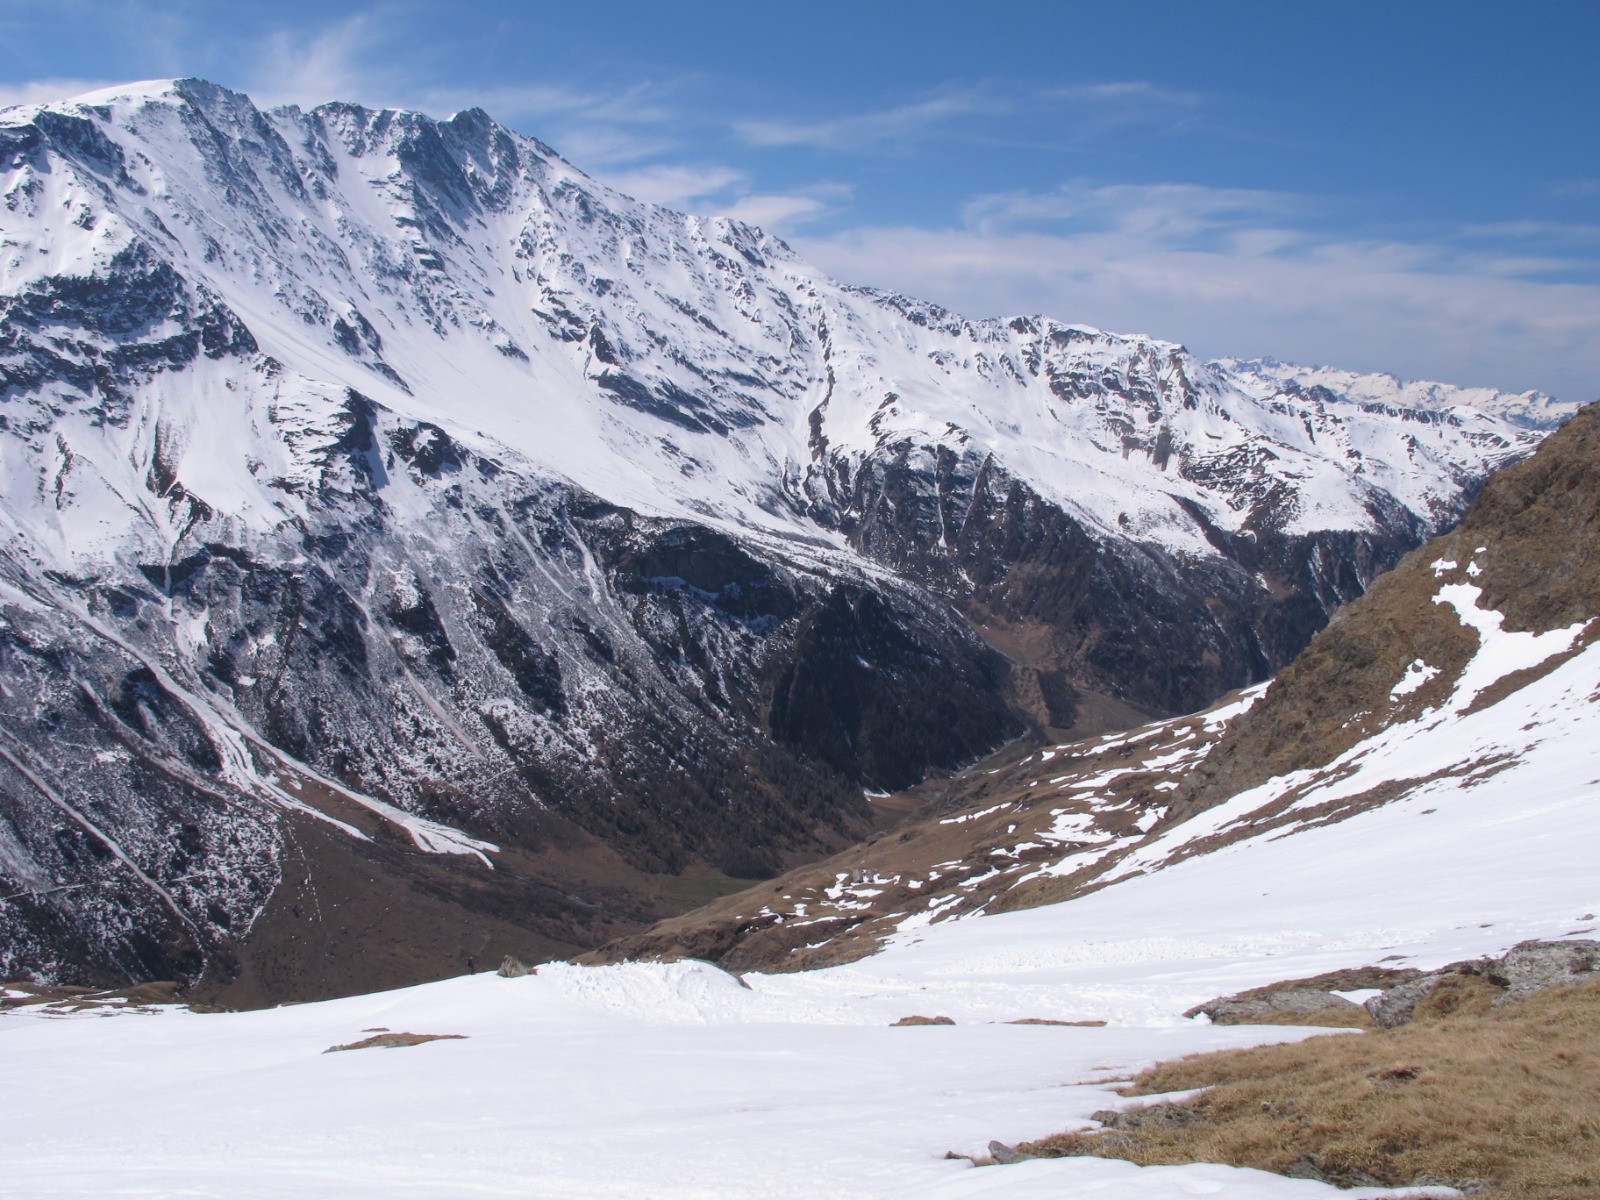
[(1049, 1021), (1510, 1096)]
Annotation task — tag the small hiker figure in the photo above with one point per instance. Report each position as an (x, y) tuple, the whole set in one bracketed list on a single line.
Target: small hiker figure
[(472, 965)]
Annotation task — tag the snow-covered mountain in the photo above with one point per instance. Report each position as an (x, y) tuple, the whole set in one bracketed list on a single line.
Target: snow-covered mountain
[(366, 475), (1436, 745), (1266, 377)]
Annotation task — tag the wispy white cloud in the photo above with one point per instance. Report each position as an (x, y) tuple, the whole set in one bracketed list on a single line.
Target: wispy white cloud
[(862, 130), (1577, 187), (338, 61), (645, 103), (723, 191), (44, 91), (1092, 106), (358, 58), (1123, 91), (776, 213), (1567, 231), (673, 186), (1223, 274), (1159, 211), (601, 147)]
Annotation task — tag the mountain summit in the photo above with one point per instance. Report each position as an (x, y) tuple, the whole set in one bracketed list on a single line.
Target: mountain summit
[(411, 549)]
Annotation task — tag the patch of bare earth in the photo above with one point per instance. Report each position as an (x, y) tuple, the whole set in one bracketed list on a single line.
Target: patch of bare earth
[(1048, 1021), (1465, 1095), (983, 838), (63, 1000)]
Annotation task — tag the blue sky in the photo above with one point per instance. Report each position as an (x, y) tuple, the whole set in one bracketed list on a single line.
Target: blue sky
[(1404, 186)]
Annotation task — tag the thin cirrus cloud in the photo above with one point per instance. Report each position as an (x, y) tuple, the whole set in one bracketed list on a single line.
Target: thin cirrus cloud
[(861, 130), (337, 61), (1095, 107), (724, 192), (1237, 272), (350, 59), (776, 212), (1164, 211)]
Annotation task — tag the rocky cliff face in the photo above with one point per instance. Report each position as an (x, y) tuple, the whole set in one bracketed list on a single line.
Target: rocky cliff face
[(399, 530)]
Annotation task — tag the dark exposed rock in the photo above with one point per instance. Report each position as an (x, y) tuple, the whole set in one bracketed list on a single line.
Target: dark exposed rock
[(1127, 621), (1147, 1116), (876, 700), (1006, 1155), (1280, 1005), (1467, 1187), (1312, 1000), (1309, 1166)]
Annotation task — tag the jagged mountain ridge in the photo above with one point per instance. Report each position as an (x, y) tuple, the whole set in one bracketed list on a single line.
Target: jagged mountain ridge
[(1464, 686), (1267, 377), (395, 462)]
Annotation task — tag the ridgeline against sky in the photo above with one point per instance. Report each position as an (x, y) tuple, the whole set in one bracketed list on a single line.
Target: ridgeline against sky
[(1376, 187)]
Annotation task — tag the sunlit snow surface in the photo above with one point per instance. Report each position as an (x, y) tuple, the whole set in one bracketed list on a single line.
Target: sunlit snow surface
[(676, 1081)]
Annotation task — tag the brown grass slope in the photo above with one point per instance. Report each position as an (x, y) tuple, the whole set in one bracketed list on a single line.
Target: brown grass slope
[(1539, 525), (961, 843), (1509, 1096)]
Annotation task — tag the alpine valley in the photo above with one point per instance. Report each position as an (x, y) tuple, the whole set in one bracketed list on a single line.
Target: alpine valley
[(412, 550)]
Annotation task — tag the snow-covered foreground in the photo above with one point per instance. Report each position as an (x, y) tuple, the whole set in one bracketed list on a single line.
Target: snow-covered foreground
[(652, 1080), (644, 1081), (656, 1080)]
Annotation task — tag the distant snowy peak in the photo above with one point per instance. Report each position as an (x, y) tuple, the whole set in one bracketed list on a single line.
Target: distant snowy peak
[(1263, 377), (685, 366)]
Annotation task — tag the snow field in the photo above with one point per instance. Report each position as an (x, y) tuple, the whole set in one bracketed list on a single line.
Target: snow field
[(633, 1081)]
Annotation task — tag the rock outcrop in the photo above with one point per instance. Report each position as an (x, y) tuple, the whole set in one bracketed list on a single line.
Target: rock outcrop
[(1526, 968)]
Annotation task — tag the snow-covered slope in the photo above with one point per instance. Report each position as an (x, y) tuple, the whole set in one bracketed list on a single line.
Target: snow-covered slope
[(459, 274), (673, 1080), (374, 487)]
